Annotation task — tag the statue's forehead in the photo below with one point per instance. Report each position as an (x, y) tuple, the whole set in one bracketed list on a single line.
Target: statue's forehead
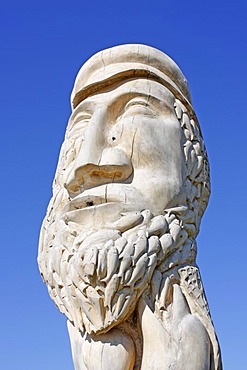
[(151, 90)]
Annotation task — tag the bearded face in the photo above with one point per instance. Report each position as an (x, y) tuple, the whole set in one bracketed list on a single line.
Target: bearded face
[(131, 186), (122, 202)]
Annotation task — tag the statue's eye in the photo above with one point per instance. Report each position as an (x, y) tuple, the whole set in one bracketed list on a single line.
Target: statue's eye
[(136, 107), (81, 117), (78, 124), (136, 103)]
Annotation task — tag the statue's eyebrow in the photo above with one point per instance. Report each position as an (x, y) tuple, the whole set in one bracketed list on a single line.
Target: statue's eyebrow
[(84, 106)]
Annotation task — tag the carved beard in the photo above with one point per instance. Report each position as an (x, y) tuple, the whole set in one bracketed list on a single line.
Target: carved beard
[(96, 277)]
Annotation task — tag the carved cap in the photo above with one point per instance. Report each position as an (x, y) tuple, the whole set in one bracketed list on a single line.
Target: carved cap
[(130, 61)]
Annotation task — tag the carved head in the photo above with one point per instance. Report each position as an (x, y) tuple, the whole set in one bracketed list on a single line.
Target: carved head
[(133, 138), (133, 151)]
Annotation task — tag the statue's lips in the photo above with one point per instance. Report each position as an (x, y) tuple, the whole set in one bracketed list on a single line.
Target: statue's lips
[(95, 197), (85, 201), (97, 216), (97, 207)]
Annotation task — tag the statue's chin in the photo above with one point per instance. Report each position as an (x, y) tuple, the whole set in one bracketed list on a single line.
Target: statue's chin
[(104, 256), (109, 268)]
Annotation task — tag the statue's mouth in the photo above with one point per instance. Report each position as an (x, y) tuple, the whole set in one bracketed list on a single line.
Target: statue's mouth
[(97, 206), (84, 201), (97, 196)]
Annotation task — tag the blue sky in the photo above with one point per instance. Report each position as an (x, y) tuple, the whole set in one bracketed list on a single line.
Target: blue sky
[(43, 44)]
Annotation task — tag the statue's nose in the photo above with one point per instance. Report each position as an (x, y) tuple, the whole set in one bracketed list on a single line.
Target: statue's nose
[(98, 163), (114, 166)]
